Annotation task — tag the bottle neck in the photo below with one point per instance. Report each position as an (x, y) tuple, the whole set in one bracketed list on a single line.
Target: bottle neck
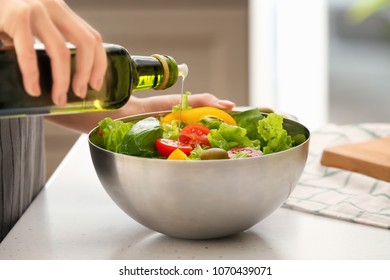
[(157, 72)]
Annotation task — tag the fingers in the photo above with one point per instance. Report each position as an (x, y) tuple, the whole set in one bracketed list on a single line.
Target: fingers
[(16, 25), (5, 40), (165, 102), (53, 23), (91, 61), (27, 61), (207, 99), (55, 47), (100, 66)]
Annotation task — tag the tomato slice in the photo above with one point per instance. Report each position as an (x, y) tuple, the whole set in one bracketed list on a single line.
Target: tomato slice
[(248, 151), (195, 134), (166, 146)]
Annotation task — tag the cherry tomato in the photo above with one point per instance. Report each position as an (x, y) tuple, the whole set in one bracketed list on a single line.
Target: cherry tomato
[(166, 146), (99, 132), (250, 152), (195, 134)]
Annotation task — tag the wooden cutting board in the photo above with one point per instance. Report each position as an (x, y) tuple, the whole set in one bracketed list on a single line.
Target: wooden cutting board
[(371, 158)]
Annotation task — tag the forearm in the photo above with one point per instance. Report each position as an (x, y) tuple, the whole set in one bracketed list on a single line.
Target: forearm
[(86, 121)]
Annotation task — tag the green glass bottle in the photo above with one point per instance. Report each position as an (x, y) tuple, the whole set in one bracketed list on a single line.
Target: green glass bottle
[(125, 74)]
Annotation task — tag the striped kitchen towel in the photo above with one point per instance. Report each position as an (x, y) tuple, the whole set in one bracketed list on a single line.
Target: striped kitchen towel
[(337, 193)]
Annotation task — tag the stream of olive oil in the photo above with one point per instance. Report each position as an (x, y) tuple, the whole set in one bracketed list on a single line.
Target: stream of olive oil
[(183, 72)]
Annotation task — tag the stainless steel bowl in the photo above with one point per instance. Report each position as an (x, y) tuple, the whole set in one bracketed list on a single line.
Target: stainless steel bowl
[(200, 199)]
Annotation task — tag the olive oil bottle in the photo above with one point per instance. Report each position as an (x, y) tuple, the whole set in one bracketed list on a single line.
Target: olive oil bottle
[(124, 75)]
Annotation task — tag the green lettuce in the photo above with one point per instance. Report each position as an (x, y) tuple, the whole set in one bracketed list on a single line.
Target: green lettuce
[(171, 131), (274, 137), (112, 133), (195, 153), (249, 119), (140, 140), (211, 122), (183, 105), (229, 136)]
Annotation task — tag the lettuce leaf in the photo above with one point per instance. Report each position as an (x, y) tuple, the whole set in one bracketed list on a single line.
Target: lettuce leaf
[(183, 105), (112, 133), (195, 153), (211, 122), (229, 136), (140, 140), (274, 137), (249, 119), (171, 131)]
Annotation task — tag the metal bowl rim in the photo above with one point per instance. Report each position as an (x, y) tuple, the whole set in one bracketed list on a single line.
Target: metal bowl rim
[(138, 117)]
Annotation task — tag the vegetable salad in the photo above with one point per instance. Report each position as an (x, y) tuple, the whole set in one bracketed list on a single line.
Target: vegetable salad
[(197, 134)]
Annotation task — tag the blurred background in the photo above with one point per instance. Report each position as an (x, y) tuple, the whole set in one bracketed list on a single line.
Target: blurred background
[(303, 57), (359, 62)]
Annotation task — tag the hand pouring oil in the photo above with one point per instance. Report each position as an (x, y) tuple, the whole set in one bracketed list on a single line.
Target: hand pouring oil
[(125, 74)]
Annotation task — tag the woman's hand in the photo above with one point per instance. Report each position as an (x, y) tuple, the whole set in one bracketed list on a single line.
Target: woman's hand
[(52, 22), (166, 102), (85, 122)]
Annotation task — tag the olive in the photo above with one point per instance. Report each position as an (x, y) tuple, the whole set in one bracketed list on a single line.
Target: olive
[(266, 110), (214, 153)]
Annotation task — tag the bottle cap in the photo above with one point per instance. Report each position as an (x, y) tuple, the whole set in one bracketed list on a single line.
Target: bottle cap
[(165, 66)]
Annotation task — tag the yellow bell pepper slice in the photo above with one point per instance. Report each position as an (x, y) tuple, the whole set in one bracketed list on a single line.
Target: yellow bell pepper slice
[(177, 154), (195, 115)]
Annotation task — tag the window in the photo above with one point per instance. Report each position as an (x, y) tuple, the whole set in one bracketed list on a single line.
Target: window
[(288, 58)]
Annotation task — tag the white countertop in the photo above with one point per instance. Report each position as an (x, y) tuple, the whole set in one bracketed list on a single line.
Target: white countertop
[(74, 218)]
